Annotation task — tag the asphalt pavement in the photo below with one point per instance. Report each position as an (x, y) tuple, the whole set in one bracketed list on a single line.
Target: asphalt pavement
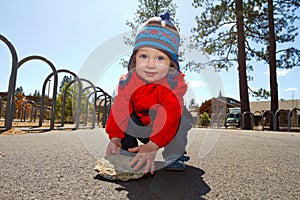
[(224, 164)]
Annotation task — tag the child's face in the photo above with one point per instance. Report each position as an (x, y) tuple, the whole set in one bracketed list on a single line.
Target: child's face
[(152, 64)]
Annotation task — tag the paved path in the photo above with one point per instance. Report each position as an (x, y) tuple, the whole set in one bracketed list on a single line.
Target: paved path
[(241, 165)]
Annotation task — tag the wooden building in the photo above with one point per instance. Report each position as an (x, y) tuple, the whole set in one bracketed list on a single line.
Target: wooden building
[(218, 105)]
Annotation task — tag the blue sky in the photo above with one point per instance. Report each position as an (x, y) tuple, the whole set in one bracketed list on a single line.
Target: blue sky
[(68, 32)]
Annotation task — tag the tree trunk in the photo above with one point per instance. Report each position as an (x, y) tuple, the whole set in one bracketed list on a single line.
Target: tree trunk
[(272, 63), (244, 96)]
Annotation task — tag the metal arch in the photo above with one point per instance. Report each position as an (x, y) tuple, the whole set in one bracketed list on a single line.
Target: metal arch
[(110, 99), (98, 89), (25, 109), (257, 112), (77, 119), (44, 88), (94, 107), (276, 119), (35, 105), (251, 117), (105, 111), (104, 108), (109, 107), (64, 95), (261, 116), (289, 117), (263, 121), (107, 98), (12, 84), (105, 93), (94, 110), (101, 90), (99, 106)]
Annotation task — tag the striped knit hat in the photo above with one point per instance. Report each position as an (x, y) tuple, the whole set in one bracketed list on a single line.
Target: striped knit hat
[(159, 33)]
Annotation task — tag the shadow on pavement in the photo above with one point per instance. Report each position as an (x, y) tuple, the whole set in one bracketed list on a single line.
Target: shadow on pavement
[(188, 184)]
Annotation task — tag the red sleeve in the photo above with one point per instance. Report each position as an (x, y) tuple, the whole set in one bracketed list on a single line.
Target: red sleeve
[(119, 115), (166, 121), (168, 116)]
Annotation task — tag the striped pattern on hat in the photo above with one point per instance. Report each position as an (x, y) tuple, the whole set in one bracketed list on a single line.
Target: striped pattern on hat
[(159, 33)]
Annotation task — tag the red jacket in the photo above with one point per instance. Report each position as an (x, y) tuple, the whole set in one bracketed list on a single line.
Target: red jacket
[(134, 95)]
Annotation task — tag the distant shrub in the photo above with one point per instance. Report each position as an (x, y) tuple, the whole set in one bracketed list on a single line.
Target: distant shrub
[(204, 119)]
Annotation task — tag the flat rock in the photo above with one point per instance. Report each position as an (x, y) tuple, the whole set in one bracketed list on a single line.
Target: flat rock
[(117, 167)]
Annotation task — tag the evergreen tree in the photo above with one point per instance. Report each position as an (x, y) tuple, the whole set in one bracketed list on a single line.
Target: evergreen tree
[(69, 99), (192, 103), (19, 90), (216, 31), (36, 93), (217, 34), (66, 80), (272, 60), (242, 69)]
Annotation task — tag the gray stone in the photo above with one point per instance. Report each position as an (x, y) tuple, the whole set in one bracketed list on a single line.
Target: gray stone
[(117, 167)]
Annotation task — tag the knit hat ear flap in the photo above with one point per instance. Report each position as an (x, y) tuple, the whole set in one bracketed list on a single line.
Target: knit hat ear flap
[(159, 33), (132, 61)]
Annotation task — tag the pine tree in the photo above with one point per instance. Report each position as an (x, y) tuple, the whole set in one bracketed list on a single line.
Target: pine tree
[(69, 98), (36, 93), (19, 90), (66, 80), (217, 34)]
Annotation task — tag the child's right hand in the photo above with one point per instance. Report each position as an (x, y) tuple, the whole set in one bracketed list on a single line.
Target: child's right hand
[(114, 146)]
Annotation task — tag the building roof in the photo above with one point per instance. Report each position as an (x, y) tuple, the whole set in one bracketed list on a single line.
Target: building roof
[(218, 105), (266, 105), (254, 106)]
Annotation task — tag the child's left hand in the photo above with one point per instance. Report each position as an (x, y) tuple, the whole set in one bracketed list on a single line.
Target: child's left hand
[(145, 155)]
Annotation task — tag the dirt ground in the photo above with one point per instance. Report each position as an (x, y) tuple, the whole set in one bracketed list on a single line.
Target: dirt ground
[(18, 127)]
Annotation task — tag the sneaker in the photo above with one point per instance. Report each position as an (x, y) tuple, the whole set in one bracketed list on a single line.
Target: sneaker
[(177, 165)]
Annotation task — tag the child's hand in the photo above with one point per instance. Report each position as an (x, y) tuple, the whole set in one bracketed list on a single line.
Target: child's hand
[(145, 155), (114, 146)]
